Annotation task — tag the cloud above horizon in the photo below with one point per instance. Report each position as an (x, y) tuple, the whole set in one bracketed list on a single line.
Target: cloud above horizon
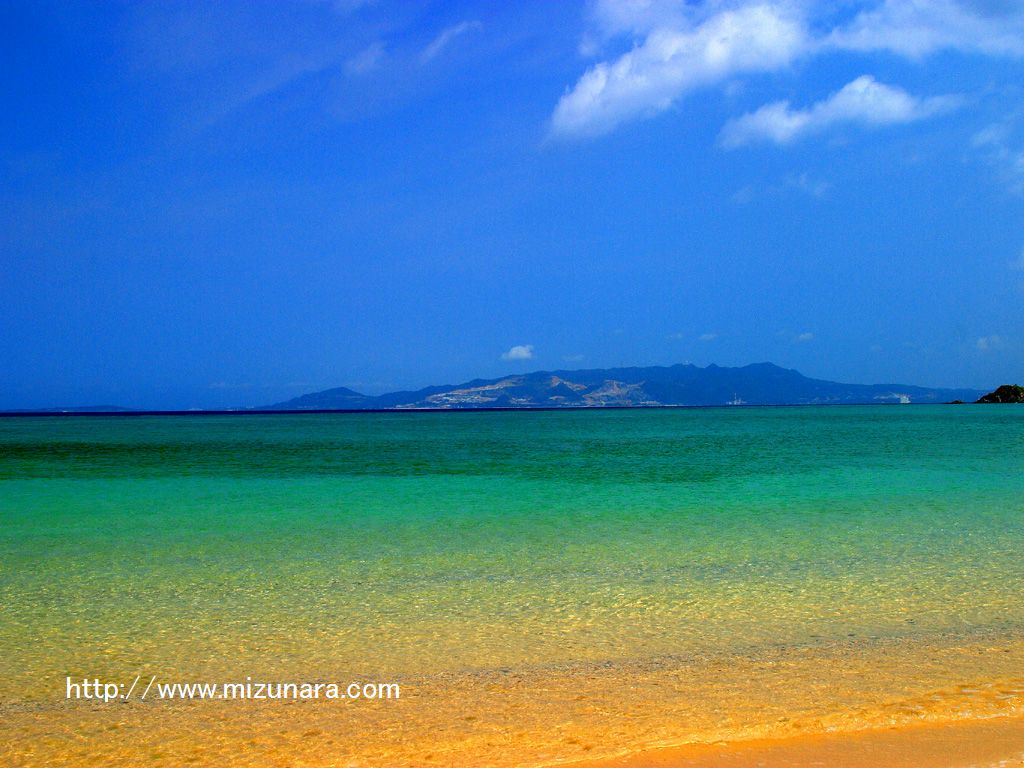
[(366, 60), (988, 343), (519, 352), (997, 143), (444, 39), (917, 28), (863, 101), (679, 47), (671, 62)]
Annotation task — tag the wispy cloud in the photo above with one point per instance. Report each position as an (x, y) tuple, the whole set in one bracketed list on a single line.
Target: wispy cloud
[(997, 144), (865, 101), (916, 28), (989, 343), (682, 46), (792, 182), (804, 182), (366, 60), (708, 336), (519, 352), (444, 39), (805, 337)]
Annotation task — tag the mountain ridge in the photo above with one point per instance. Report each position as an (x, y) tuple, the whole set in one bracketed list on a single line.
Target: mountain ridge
[(682, 384)]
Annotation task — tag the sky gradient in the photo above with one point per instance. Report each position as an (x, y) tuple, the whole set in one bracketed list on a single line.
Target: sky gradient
[(230, 204)]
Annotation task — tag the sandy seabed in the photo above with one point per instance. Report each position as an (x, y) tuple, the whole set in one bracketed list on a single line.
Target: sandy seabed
[(917, 701)]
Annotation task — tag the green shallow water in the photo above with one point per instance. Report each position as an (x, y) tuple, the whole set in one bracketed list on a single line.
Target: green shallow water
[(317, 545)]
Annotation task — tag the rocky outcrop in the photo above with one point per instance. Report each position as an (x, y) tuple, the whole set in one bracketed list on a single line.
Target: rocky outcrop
[(1008, 393)]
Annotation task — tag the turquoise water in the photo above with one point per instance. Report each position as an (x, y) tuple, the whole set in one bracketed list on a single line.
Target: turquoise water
[(320, 544)]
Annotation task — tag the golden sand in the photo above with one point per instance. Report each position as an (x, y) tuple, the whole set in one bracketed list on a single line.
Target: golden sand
[(553, 714), (995, 743)]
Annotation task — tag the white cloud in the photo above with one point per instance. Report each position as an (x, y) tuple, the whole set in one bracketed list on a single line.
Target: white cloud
[(366, 60), (805, 336), (708, 336), (988, 343), (997, 144), (792, 182), (519, 352), (864, 101), (672, 61), (802, 182), (637, 17), (442, 41), (916, 28), (574, 358), (679, 46)]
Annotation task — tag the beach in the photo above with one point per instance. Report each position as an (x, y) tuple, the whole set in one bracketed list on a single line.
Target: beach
[(735, 586), (849, 705), (991, 743)]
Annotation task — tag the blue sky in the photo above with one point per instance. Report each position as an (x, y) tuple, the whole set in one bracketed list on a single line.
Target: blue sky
[(222, 204)]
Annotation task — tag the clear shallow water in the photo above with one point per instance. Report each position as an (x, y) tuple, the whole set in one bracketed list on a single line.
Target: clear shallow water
[(323, 546)]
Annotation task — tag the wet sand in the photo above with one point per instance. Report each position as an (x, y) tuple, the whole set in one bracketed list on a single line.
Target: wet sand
[(982, 744)]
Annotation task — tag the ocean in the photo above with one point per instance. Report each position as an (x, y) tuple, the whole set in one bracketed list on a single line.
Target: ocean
[(546, 585)]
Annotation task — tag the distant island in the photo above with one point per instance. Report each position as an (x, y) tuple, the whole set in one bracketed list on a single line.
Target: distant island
[(1008, 393), (633, 387), (675, 385)]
